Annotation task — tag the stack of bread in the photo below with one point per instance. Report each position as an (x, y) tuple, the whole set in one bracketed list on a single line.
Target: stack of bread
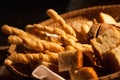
[(83, 49)]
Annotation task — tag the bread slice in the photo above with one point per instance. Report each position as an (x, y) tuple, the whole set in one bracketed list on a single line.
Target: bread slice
[(93, 31), (70, 60), (107, 50), (105, 42), (113, 60), (84, 73), (98, 29)]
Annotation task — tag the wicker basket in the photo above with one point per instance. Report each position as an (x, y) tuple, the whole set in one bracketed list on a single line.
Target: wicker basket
[(88, 13)]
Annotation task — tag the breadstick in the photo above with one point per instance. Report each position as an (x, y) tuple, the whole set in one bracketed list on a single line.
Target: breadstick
[(55, 39), (50, 57), (40, 28), (43, 34), (68, 40), (52, 46), (53, 30), (14, 31), (32, 41), (29, 57), (16, 58), (41, 45), (57, 31), (67, 28), (31, 29), (83, 47), (70, 48), (15, 40)]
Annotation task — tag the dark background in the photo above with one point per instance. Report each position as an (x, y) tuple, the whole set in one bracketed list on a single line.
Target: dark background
[(22, 12), (19, 13)]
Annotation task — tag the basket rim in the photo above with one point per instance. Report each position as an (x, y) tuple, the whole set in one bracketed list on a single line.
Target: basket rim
[(78, 12)]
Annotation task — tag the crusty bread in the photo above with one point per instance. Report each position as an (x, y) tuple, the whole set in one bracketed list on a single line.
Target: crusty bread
[(84, 73), (113, 60), (106, 41), (106, 49), (106, 18), (93, 31), (70, 60), (98, 29)]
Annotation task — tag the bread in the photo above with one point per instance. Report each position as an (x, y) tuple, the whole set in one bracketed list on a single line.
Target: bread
[(98, 29), (105, 46), (93, 31), (106, 18), (84, 73), (70, 60), (113, 60), (104, 39)]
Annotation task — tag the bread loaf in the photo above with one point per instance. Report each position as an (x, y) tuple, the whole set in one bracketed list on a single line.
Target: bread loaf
[(98, 29), (107, 50)]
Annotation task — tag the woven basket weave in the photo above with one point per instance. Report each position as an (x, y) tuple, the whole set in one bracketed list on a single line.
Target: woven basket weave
[(88, 13)]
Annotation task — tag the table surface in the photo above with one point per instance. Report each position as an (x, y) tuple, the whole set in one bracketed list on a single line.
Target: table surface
[(22, 12)]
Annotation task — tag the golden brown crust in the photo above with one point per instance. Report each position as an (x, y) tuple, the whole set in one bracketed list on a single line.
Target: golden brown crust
[(106, 18), (49, 57), (32, 41), (84, 73), (67, 28)]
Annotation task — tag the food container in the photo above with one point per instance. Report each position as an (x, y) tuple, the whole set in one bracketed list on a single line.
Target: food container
[(88, 13)]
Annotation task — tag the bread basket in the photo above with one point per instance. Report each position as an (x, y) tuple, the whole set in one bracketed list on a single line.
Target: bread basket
[(87, 13)]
